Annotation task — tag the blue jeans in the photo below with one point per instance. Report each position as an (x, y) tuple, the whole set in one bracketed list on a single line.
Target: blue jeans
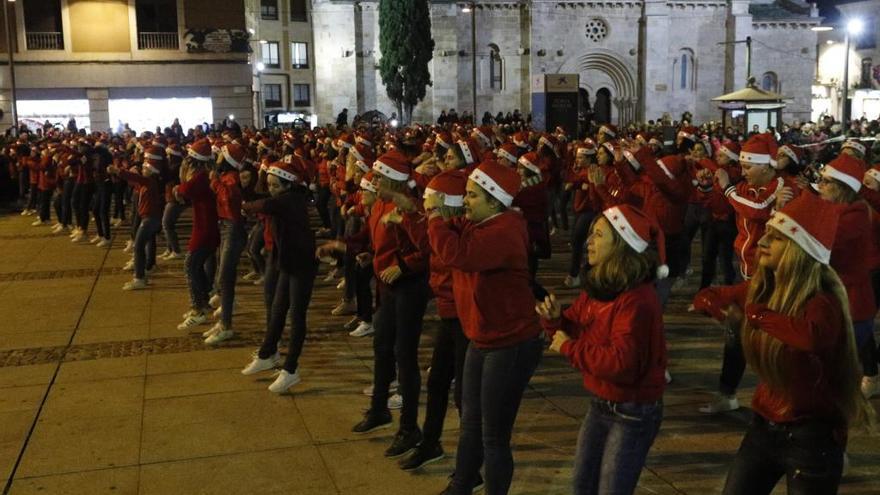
[(145, 246), (172, 212), (197, 277), (806, 453), (866, 346), (612, 446), (233, 238), (494, 382)]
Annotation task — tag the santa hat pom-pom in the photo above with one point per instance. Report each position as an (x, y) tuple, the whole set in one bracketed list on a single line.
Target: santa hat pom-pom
[(662, 272)]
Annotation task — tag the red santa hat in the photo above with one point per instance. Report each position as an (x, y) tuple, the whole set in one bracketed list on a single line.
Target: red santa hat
[(484, 134), (502, 183), (201, 150), (154, 153), (363, 138), (551, 142), (530, 161), (794, 152), (451, 184), (367, 182), (640, 158), (760, 149), (874, 172), (444, 139), (521, 139), (847, 169), (811, 223), (639, 230), (610, 146), (468, 150), (731, 149), (284, 171), (344, 140), (234, 155), (609, 129), (854, 145), (672, 165), (392, 166), (509, 152), (587, 148), (363, 157)]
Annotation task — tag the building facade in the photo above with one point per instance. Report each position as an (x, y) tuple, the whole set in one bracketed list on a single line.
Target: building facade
[(142, 62), (637, 59), (283, 58)]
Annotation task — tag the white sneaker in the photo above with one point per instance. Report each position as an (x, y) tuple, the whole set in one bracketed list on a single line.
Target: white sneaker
[(164, 254), (845, 470), (57, 229), (211, 331), (38, 223), (722, 403), (341, 285), (249, 276), (257, 365), (219, 336), (24, 212), (214, 302), (103, 243), (136, 284), (331, 275), (95, 240), (284, 381), (392, 389), (260, 281), (75, 232), (79, 237), (129, 266), (129, 246), (667, 376), (395, 401), (344, 308), (189, 313), (870, 386), (192, 320), (363, 330), (174, 256), (572, 282)]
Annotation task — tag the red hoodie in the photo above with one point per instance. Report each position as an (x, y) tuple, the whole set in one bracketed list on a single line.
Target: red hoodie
[(753, 206), (490, 274), (618, 345)]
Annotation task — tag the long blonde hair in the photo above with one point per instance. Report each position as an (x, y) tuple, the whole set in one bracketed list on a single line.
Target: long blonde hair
[(797, 278)]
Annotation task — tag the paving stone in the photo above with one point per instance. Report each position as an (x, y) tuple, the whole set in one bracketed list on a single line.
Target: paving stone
[(120, 481)]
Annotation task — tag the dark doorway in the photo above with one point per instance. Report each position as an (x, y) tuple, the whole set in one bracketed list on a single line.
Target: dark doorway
[(602, 108), (585, 111)]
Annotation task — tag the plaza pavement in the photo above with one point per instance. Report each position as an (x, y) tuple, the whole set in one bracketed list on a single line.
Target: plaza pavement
[(100, 393)]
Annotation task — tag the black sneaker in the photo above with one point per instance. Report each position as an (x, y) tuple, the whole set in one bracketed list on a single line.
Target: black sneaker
[(404, 441), (450, 490), (423, 455), (373, 421)]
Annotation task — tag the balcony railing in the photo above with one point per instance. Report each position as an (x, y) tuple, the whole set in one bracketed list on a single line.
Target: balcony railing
[(44, 41), (158, 41)]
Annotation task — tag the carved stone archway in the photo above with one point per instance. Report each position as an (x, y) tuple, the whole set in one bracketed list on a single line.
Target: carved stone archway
[(621, 75)]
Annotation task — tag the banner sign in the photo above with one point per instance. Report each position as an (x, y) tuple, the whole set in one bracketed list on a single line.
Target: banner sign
[(217, 41)]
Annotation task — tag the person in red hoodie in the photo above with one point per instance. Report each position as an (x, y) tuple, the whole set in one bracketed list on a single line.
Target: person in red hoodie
[(797, 335), (871, 194), (584, 208), (720, 230), (400, 263), (753, 200), (488, 254), (195, 187), (533, 201), (450, 344), (226, 185), (613, 334), (840, 184), (150, 206)]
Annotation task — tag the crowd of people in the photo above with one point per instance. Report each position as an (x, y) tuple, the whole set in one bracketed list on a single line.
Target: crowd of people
[(464, 215)]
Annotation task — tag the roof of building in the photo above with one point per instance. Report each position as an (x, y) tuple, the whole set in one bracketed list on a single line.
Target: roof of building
[(750, 93), (779, 10)]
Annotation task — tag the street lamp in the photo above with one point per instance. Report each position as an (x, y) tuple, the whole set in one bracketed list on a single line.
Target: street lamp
[(260, 68), (472, 10), (9, 48), (853, 28)]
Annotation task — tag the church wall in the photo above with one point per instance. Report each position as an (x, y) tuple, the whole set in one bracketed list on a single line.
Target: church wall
[(335, 62), (790, 52)]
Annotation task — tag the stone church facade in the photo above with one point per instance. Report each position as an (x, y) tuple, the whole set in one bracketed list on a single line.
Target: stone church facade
[(636, 59)]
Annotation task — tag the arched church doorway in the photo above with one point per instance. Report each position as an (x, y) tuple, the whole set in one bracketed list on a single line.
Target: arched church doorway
[(602, 108)]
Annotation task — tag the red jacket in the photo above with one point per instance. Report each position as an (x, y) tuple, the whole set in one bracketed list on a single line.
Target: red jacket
[(48, 174), (853, 245), (205, 233), (753, 208), (490, 274), (151, 204), (228, 190), (533, 202), (664, 194), (403, 245), (618, 345), (813, 341)]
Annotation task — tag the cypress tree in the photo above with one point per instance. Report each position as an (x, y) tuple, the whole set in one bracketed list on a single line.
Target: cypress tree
[(407, 46)]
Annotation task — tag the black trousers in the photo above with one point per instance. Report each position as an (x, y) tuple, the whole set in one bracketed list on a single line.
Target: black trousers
[(447, 363), (82, 199), (45, 204), (398, 324), (293, 293), (718, 237), (363, 275), (733, 363), (101, 208)]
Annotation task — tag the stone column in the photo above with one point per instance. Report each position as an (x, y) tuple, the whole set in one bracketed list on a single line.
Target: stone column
[(654, 77), (99, 113), (739, 26)]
